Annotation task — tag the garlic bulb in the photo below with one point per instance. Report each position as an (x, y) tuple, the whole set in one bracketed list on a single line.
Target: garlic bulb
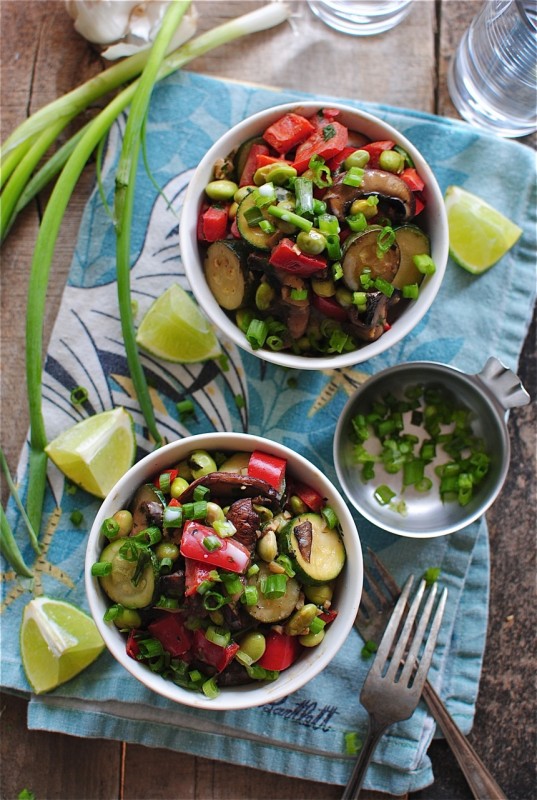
[(123, 27)]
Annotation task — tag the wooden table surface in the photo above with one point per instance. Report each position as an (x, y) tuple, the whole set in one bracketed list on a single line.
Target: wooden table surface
[(43, 57)]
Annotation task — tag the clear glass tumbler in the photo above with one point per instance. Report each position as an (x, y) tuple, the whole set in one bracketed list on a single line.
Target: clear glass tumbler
[(361, 17), (493, 76)]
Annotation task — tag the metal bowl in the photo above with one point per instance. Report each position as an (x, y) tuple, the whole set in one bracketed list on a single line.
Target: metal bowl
[(488, 395)]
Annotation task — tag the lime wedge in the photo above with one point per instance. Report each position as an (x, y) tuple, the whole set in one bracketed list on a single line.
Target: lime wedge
[(57, 640), (479, 235), (175, 329), (96, 452)]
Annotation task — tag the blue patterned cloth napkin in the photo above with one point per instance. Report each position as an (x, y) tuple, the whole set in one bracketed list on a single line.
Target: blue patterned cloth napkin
[(471, 319)]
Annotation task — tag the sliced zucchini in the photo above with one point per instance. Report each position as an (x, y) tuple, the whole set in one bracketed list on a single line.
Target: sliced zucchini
[(238, 462), (118, 584), (227, 274), (316, 551), (360, 252), (273, 610), (253, 234), (146, 508), (412, 242)]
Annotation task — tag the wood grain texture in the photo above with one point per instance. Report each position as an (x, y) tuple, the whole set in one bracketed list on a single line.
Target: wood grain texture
[(42, 57)]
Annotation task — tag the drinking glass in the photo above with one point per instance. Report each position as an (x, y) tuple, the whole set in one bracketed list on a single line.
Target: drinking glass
[(361, 17), (493, 76)]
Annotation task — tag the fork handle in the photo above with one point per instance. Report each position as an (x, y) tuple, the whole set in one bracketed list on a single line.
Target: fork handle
[(354, 784), (479, 779)]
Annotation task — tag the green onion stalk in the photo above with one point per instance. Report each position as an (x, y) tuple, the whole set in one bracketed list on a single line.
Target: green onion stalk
[(87, 141)]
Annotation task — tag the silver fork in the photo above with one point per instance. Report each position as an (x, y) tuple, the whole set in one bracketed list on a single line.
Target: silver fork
[(394, 683), (379, 597)]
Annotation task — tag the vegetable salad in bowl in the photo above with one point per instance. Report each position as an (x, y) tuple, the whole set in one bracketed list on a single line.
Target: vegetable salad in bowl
[(315, 237), (220, 572)]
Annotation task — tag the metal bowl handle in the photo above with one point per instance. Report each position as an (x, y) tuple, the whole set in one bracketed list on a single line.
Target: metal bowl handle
[(506, 387)]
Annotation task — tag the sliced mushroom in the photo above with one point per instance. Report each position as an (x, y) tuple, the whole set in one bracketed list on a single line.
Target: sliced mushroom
[(245, 518), (146, 508), (396, 200), (369, 325), (229, 486)]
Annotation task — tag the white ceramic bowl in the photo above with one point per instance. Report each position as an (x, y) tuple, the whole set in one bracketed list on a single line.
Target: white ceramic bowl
[(432, 219), (346, 596)]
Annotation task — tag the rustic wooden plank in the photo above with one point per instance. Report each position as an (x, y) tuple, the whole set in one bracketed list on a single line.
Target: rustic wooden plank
[(51, 765)]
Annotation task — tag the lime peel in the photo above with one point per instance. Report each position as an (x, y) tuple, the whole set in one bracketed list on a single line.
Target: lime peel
[(479, 235), (175, 329)]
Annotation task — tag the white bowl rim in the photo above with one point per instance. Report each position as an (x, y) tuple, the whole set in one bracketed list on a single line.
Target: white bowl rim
[(250, 695), (190, 251)]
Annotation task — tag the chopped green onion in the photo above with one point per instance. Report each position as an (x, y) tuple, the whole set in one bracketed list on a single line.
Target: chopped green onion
[(289, 216), (299, 294), (322, 176), (148, 536), (384, 495), (210, 688), (185, 409), (253, 216), (328, 223), (200, 493), (424, 263), (317, 625), (257, 333), (431, 575), (369, 648), (411, 291), (196, 510), (78, 395), (249, 596), (213, 601), (333, 246), (274, 586), (329, 516), (211, 543), (172, 517), (303, 188), (354, 176), (224, 528), (285, 562), (76, 517), (101, 568), (385, 240), (266, 226), (219, 636), (384, 286), (353, 743), (110, 528), (232, 583), (357, 222)]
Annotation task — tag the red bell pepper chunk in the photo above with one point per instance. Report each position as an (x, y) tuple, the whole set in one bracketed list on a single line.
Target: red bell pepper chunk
[(375, 149), (171, 632), (335, 162), (263, 161), (420, 205), (281, 650), (196, 573), (213, 224), (287, 256), (328, 616), (267, 468), (309, 496), (246, 177), (229, 554), (326, 143), (132, 646), (211, 653), (412, 179), (288, 131), (329, 307)]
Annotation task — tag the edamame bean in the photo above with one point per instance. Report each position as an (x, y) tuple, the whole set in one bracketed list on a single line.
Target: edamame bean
[(124, 520), (214, 512), (319, 594), (344, 297), (298, 506), (311, 242), (311, 639), (221, 190), (391, 161), (201, 463), (301, 619), (264, 296), (167, 550), (267, 547), (357, 159), (128, 618), (253, 645), (178, 487)]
